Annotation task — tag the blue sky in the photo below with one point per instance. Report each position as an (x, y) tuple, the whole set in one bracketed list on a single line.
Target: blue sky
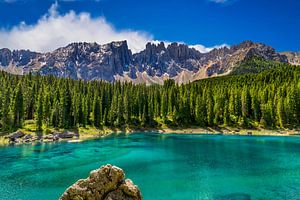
[(206, 22)]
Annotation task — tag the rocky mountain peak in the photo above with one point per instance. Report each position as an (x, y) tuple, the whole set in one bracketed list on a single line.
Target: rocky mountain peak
[(5, 57), (247, 44), (157, 62), (292, 57), (119, 44), (16, 57), (182, 52), (152, 48)]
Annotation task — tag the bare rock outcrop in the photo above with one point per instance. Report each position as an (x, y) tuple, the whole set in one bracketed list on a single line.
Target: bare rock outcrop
[(157, 62), (293, 57), (14, 137), (105, 183)]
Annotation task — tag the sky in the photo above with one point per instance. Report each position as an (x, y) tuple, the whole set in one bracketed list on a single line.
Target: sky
[(44, 25)]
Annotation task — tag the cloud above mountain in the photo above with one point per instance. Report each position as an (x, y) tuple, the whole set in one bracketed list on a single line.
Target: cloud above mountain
[(204, 49), (54, 30)]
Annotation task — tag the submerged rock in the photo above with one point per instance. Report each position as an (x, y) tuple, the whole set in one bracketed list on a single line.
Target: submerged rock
[(234, 196), (106, 183)]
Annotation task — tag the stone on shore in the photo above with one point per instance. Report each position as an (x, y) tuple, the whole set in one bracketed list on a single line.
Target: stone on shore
[(66, 135), (13, 137), (106, 183)]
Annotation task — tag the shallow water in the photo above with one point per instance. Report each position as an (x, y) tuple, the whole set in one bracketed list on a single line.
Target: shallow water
[(163, 166)]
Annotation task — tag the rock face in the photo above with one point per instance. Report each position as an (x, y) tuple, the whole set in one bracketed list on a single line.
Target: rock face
[(88, 61), (19, 137), (114, 61), (14, 137), (293, 57), (106, 183)]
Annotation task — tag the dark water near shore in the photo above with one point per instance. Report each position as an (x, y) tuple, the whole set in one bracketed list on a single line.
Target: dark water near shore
[(164, 166)]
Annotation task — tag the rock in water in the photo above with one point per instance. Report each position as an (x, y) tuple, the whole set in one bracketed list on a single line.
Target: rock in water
[(106, 183)]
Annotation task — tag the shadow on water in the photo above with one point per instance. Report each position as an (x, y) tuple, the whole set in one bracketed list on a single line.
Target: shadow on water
[(234, 196)]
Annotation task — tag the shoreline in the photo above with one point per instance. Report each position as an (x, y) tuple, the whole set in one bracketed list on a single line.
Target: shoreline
[(193, 130), (231, 131)]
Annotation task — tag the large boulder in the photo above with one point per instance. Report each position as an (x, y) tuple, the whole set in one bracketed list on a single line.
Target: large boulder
[(106, 183)]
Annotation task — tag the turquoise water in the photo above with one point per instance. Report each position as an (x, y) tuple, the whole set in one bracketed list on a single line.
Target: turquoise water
[(164, 166)]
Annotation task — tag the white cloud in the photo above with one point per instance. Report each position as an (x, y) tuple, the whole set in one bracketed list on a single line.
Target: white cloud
[(199, 47), (204, 49), (219, 1), (54, 30)]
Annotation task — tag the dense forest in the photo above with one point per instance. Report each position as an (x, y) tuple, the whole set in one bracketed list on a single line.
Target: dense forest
[(270, 99)]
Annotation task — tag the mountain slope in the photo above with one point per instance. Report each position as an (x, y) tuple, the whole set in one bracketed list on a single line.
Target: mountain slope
[(256, 65), (115, 61), (293, 57)]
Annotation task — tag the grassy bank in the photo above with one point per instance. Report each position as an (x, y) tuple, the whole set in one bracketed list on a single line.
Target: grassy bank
[(232, 131), (90, 132)]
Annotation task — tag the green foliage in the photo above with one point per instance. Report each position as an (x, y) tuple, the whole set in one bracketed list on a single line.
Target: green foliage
[(39, 113), (256, 65), (269, 99)]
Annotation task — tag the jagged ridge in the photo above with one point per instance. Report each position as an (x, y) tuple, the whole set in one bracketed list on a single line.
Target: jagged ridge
[(115, 61)]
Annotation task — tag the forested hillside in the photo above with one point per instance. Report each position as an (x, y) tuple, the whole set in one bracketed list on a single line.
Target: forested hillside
[(256, 65), (269, 99)]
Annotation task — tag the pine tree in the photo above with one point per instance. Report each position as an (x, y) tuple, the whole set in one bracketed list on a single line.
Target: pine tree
[(96, 112), (267, 119), (226, 115), (210, 108), (18, 107), (55, 115), (164, 106), (47, 109), (200, 111), (246, 103), (65, 106), (84, 118), (127, 112), (256, 109), (39, 113), (6, 119), (281, 113)]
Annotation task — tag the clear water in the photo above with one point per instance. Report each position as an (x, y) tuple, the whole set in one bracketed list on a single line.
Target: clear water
[(163, 166)]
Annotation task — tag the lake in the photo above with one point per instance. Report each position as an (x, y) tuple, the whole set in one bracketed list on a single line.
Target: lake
[(163, 166)]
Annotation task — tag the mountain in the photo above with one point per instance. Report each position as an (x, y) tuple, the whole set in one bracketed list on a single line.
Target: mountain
[(293, 57), (156, 63)]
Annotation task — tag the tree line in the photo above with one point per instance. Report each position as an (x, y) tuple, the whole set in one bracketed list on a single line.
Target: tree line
[(269, 99)]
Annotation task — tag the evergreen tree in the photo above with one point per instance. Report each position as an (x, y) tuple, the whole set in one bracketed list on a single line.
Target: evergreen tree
[(200, 112), (39, 113), (65, 106), (246, 103), (281, 113), (18, 107), (210, 108), (47, 109), (6, 120), (96, 112)]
